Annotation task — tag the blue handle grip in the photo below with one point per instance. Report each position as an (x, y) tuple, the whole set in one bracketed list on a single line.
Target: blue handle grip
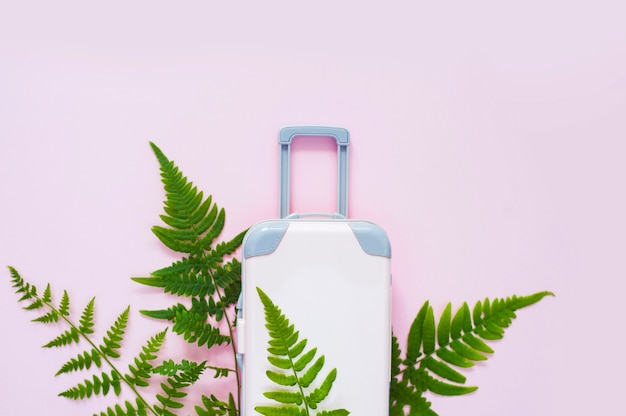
[(286, 135)]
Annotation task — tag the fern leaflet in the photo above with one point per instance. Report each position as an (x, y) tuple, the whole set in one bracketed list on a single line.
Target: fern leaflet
[(111, 342), (139, 409), (96, 385), (211, 406), (86, 319), (84, 360), (179, 376), (287, 354), (143, 367)]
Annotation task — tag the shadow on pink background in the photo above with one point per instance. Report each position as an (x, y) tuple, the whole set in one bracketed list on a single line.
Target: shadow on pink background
[(487, 139)]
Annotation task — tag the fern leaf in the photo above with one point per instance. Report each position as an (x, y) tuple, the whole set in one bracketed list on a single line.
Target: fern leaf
[(282, 379), (36, 304), (452, 357), (457, 323), (82, 361), (443, 329), (443, 370), (396, 360), (140, 372), (212, 407), (309, 376), (47, 294), (187, 277), (64, 306), (460, 342), (414, 342), (86, 318), (216, 229), (115, 335), (285, 397), (68, 337), (181, 375), (194, 221), (476, 343), (287, 354), (130, 410), (195, 330), (20, 285), (405, 396), (279, 411), (446, 389), (428, 332), (320, 393), (48, 318), (95, 386)]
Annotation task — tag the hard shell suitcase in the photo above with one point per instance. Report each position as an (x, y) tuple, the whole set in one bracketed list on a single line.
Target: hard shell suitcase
[(330, 277)]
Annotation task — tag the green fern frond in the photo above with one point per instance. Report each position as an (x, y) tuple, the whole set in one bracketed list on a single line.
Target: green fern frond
[(228, 278), (64, 306), (22, 287), (68, 337), (287, 354), (48, 318), (84, 360), (187, 277), (192, 323), (115, 335), (229, 247), (194, 328), (97, 385), (194, 222), (37, 304), (179, 376), (140, 372), (436, 350), (211, 406), (86, 319), (47, 294), (139, 409), (191, 225)]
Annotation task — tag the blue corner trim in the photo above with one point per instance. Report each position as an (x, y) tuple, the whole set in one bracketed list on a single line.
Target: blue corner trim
[(372, 238), (264, 238)]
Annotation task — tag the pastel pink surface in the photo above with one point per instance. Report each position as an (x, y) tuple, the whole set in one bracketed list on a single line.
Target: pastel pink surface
[(487, 139)]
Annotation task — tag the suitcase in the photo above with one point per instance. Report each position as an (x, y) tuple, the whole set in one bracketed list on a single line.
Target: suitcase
[(330, 277)]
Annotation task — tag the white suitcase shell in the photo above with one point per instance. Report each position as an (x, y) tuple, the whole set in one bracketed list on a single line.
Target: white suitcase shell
[(331, 278)]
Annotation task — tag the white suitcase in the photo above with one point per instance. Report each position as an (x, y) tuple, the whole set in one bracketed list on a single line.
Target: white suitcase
[(330, 277)]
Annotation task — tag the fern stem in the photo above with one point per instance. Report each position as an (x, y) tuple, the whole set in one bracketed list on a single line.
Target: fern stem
[(232, 343), (102, 355)]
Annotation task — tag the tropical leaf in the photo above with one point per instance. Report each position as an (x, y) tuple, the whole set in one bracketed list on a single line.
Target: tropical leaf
[(139, 409), (64, 306), (206, 274), (211, 406), (179, 376), (68, 337), (115, 335), (435, 351), (83, 361), (98, 384), (141, 370), (86, 318), (295, 368)]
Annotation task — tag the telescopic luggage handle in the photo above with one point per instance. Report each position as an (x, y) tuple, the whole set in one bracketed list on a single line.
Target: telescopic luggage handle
[(285, 137)]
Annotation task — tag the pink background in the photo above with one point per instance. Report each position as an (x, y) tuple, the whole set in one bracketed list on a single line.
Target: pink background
[(487, 139)]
